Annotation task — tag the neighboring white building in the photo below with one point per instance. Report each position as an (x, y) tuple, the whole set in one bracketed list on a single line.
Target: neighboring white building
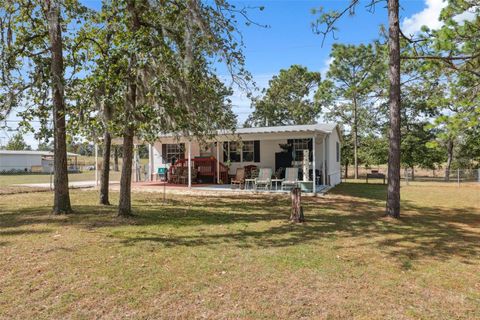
[(270, 147), (30, 161)]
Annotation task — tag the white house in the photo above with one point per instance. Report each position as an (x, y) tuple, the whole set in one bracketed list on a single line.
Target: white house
[(264, 147), (29, 161)]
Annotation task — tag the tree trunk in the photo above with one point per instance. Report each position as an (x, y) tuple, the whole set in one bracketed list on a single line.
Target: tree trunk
[(115, 158), (105, 177), (355, 136), (104, 101), (61, 202), (297, 210), (413, 172), (393, 193), (449, 159), (125, 204)]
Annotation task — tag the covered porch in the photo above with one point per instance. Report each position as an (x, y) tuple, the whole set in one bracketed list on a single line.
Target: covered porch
[(212, 165)]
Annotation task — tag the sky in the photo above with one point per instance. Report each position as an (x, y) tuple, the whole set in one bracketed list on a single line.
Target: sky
[(289, 38)]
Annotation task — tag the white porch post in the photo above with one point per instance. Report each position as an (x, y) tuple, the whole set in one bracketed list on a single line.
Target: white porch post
[(135, 159), (96, 164), (340, 160), (314, 167), (189, 164), (324, 172), (150, 162), (218, 162)]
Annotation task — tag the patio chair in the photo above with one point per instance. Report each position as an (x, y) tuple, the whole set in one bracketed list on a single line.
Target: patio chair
[(251, 173), (264, 179), (183, 178), (248, 171), (254, 173), (278, 174), (239, 178), (176, 174), (291, 178)]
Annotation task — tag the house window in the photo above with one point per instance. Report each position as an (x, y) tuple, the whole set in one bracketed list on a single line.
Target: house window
[(233, 151), (174, 152), (298, 146), (248, 151), (338, 151)]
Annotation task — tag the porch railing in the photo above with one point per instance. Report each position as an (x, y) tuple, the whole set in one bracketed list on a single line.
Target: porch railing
[(205, 166)]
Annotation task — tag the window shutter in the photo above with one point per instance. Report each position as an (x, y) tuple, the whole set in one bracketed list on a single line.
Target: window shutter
[(291, 149), (182, 148), (256, 151), (310, 149), (164, 153), (225, 151)]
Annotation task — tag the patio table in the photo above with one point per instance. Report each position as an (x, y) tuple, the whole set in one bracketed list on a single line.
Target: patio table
[(306, 186), (249, 181), (276, 182)]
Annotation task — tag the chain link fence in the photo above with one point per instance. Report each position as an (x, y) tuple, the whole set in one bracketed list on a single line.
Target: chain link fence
[(460, 176)]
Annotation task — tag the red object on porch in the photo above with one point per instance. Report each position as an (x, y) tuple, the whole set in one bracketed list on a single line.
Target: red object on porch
[(206, 167)]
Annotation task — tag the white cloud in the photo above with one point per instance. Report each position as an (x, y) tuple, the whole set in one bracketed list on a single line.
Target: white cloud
[(467, 15), (427, 17), (326, 65)]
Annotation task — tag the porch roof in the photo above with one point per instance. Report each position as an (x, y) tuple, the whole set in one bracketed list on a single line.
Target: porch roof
[(305, 128), (317, 127), (323, 128)]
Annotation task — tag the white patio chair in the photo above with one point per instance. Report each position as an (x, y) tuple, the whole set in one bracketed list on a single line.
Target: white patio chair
[(264, 179), (291, 178)]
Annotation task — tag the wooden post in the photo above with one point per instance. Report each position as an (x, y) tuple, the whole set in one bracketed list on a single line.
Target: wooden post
[(297, 210)]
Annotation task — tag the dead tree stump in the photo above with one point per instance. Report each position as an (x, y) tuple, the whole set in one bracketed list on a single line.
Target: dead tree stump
[(297, 209)]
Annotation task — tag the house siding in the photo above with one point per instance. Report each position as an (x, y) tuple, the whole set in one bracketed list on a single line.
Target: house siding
[(334, 167), (269, 146)]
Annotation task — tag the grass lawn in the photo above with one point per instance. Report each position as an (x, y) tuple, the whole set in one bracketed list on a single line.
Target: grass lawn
[(11, 179), (238, 257)]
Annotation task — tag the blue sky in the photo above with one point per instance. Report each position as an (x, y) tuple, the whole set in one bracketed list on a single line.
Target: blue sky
[(289, 38)]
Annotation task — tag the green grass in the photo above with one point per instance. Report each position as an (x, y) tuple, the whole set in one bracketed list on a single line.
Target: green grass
[(239, 257), (12, 179)]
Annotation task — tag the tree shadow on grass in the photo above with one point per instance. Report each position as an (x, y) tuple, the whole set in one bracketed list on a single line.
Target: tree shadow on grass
[(22, 232), (349, 213), (423, 232), (10, 218)]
